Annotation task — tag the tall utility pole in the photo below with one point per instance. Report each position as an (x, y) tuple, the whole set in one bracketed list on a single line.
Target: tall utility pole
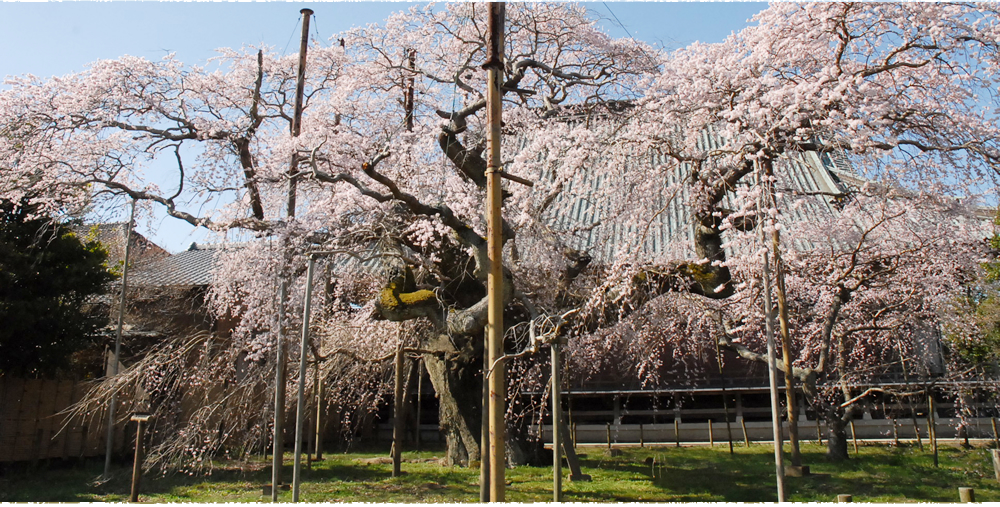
[(118, 345), (772, 368), (494, 327), (279, 383)]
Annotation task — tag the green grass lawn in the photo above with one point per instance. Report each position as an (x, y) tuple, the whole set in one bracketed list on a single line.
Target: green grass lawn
[(690, 474)]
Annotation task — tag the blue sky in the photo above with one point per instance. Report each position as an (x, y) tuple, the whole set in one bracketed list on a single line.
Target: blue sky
[(53, 39)]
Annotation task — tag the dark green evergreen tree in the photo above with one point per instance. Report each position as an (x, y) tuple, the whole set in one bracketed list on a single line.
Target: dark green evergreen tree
[(48, 284)]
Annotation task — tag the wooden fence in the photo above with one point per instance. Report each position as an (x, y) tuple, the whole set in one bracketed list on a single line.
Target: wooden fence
[(30, 422)]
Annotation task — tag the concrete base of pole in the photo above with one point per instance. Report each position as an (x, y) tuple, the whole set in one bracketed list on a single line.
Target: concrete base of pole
[(844, 499), (966, 495)]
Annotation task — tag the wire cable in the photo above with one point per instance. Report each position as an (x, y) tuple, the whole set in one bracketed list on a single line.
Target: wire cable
[(291, 36), (620, 24)]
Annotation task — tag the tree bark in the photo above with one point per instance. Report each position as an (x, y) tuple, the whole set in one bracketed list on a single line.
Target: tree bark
[(836, 443), (457, 382)]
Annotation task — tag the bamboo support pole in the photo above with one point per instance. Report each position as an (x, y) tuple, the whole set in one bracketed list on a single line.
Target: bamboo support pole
[(497, 377)]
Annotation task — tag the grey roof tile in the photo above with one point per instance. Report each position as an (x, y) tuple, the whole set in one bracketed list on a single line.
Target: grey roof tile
[(190, 268)]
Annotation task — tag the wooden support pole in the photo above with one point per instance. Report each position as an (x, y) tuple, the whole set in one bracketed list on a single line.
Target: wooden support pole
[(642, 437), (772, 368), (608, 428), (996, 437), (677, 433), (931, 426), (783, 326), (916, 431), (725, 397), (318, 442), (494, 281), (137, 462), (300, 407), (277, 460), (397, 415), (819, 432), (484, 447), (746, 436), (557, 434), (996, 463), (854, 437), (895, 433), (420, 399), (711, 435)]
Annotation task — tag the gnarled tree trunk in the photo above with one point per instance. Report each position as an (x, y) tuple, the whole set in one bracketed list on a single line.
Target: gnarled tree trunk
[(458, 384), (836, 443)]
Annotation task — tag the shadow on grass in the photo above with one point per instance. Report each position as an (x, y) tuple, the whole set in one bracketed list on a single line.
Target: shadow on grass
[(693, 474)]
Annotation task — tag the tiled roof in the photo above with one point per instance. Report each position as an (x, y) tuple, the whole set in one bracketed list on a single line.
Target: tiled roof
[(112, 237), (667, 225), (190, 268)]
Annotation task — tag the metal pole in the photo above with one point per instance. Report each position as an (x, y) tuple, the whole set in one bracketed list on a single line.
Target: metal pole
[(118, 344), (557, 435), (300, 410), (497, 378), (772, 372)]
